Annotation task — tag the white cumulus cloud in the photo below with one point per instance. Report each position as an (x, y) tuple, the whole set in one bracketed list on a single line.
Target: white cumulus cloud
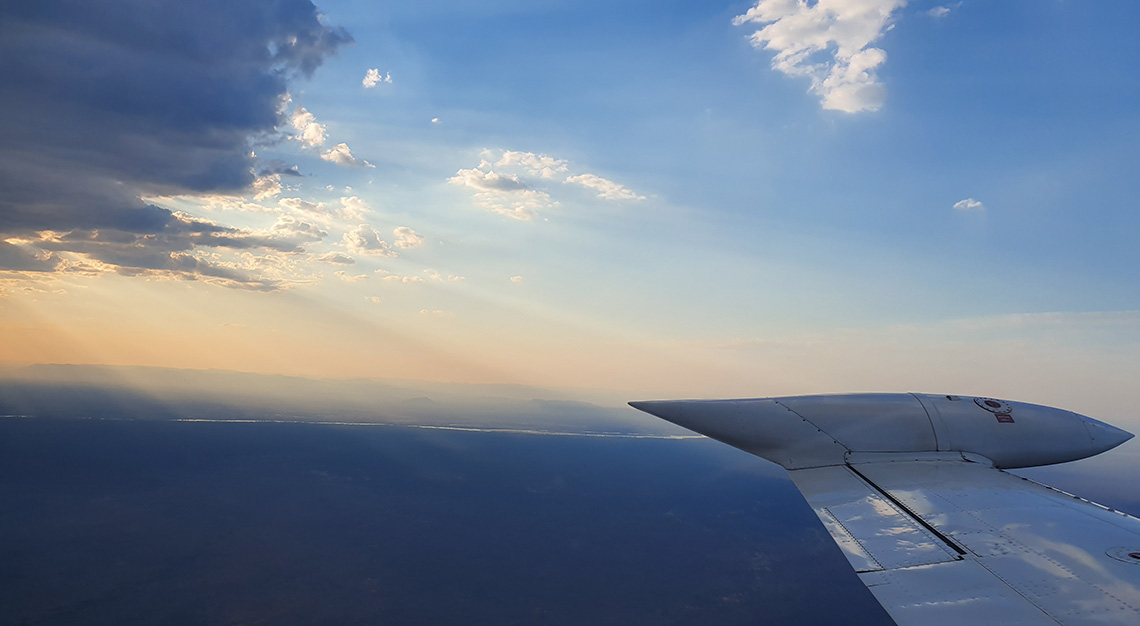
[(341, 155), (406, 238), (288, 227), (353, 208), (828, 42), (372, 78), (309, 131), (267, 186), (969, 204), (939, 11), (516, 279), (366, 240)]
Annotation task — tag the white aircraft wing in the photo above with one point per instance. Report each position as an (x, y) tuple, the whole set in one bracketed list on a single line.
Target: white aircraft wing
[(940, 534)]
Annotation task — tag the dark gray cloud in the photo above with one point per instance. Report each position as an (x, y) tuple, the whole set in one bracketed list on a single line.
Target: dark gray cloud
[(106, 102), (277, 166), (20, 259)]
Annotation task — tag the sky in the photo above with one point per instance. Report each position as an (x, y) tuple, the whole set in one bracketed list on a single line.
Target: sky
[(663, 199)]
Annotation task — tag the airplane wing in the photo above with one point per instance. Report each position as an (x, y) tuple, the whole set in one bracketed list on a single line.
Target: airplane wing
[(937, 532)]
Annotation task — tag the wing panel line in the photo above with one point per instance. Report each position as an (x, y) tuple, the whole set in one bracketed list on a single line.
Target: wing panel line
[(904, 508)]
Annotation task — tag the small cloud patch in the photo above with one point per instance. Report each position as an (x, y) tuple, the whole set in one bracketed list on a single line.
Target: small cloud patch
[(373, 77), (969, 204), (341, 155)]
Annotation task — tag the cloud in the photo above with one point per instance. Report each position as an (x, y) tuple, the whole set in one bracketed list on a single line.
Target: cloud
[(607, 189), (365, 240), (373, 299), (309, 131), (353, 208), (298, 230), (335, 258), (147, 100), (396, 278), (21, 258), (373, 77), (536, 164), (407, 238), (437, 277), (939, 11), (435, 312), (341, 155), (350, 278), (828, 42), (435, 120), (175, 252), (488, 180), (507, 193), (277, 166), (297, 204), (267, 186), (517, 279), (969, 204), (504, 194)]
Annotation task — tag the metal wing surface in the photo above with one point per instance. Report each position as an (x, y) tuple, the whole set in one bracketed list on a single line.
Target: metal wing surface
[(941, 541), (912, 489)]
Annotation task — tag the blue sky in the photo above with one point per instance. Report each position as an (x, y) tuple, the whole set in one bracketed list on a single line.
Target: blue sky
[(715, 217)]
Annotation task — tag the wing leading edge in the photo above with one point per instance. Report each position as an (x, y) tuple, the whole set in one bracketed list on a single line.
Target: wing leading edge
[(943, 536)]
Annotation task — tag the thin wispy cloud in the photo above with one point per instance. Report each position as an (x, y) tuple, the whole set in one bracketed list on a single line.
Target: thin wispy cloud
[(504, 194), (399, 279), (509, 194), (442, 278), (969, 204), (829, 43), (606, 189), (335, 258), (350, 278)]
